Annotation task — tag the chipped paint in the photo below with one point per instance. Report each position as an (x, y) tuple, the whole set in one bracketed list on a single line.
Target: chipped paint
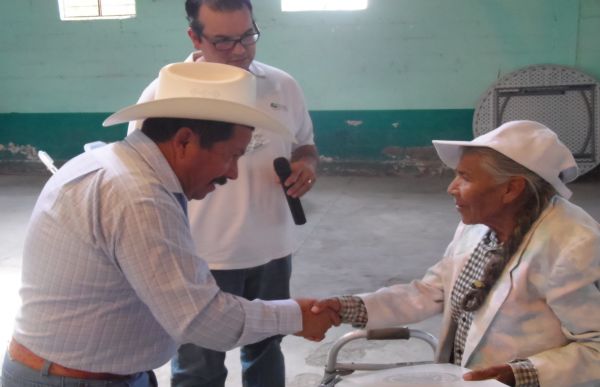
[(29, 151), (424, 153), (403, 161), (325, 159), (405, 167), (354, 122), (396, 125)]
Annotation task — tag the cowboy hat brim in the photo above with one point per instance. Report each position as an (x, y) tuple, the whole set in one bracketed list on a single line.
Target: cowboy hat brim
[(200, 109)]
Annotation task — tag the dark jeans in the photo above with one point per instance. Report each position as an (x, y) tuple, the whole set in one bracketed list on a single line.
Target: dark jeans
[(262, 363), (15, 374)]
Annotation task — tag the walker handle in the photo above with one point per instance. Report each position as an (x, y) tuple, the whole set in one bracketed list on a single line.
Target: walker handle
[(400, 333), (389, 334)]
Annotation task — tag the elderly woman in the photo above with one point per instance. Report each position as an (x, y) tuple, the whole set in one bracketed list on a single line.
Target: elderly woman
[(518, 286)]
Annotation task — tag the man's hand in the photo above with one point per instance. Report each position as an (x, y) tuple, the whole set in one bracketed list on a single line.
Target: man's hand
[(332, 304), (301, 180), (503, 373), (314, 325), (304, 171)]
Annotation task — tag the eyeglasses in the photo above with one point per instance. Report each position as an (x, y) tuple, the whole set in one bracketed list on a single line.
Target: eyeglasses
[(226, 44)]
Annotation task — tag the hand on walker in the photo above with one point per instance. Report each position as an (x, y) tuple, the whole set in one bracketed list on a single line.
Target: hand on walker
[(502, 373)]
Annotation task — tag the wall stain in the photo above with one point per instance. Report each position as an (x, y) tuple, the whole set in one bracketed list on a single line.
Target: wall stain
[(28, 151), (402, 161), (354, 122)]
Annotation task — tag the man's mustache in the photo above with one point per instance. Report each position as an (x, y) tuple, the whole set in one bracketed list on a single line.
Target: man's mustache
[(220, 180)]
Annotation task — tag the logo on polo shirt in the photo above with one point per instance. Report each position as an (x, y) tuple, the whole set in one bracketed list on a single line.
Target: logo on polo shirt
[(278, 106)]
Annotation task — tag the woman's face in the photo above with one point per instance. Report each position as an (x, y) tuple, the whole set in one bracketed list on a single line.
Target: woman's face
[(477, 196)]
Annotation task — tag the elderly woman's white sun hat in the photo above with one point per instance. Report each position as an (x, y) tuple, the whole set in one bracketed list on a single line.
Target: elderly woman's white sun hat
[(528, 143), (205, 91)]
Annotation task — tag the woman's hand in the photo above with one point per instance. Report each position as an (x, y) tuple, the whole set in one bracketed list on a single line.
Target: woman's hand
[(503, 373)]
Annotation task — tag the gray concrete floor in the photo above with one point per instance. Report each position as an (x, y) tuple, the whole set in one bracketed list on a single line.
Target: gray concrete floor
[(362, 233)]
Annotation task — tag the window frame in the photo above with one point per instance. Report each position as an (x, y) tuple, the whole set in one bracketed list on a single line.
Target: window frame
[(101, 9), (323, 5)]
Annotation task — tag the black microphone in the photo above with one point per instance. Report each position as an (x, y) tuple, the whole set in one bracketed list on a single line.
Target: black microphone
[(283, 170)]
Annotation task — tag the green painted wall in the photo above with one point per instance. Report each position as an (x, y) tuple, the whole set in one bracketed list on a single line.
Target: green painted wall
[(398, 74), (348, 135)]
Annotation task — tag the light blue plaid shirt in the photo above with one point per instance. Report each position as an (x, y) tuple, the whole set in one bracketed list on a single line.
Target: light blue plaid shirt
[(111, 282)]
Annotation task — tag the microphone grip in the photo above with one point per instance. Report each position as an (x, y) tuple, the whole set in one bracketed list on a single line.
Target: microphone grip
[(283, 170)]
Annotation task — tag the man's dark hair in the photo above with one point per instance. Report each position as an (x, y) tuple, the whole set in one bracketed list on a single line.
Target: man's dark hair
[(193, 6), (162, 129)]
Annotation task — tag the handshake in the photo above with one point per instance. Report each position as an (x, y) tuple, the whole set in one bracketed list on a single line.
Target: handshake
[(318, 317)]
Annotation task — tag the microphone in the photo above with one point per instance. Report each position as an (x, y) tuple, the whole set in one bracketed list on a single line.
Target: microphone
[(283, 170)]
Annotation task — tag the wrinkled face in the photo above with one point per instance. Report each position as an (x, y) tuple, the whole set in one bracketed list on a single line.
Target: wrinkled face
[(477, 196), (200, 169), (225, 25)]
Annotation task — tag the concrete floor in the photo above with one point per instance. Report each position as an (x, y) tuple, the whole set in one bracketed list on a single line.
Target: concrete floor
[(362, 233)]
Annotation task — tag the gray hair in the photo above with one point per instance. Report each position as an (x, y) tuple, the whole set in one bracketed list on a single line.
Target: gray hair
[(532, 202)]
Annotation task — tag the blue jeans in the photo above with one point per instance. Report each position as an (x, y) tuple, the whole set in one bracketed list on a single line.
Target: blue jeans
[(262, 363), (15, 374)]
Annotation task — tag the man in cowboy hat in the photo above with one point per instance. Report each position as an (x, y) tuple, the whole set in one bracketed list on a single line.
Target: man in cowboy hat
[(111, 283), (245, 231)]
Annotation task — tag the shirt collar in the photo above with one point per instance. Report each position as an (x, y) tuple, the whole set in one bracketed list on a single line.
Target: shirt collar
[(152, 155)]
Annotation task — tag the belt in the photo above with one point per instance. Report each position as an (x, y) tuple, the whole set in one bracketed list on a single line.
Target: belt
[(21, 354)]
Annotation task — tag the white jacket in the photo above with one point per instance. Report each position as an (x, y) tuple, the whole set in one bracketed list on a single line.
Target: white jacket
[(545, 306)]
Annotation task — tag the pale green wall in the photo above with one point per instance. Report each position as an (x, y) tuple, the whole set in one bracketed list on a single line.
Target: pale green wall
[(398, 54), (407, 71), (415, 54)]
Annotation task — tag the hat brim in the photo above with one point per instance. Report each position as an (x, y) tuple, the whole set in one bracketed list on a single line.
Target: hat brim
[(200, 109), (450, 151)]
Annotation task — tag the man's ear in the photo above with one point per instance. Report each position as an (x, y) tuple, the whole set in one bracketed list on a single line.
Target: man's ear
[(515, 187), (196, 40), (182, 139)]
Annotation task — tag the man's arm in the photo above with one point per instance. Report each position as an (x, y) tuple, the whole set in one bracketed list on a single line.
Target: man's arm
[(154, 249)]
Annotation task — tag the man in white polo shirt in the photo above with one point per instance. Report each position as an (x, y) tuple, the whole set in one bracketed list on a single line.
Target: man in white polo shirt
[(244, 230)]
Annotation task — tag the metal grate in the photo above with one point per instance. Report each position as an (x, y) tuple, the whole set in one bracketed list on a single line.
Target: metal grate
[(562, 98)]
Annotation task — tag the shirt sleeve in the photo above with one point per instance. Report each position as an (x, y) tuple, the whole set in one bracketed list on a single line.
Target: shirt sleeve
[(353, 311), (303, 131), (153, 247), (525, 373)]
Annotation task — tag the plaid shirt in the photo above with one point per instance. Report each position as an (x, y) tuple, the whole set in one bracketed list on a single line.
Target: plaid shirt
[(472, 271), (353, 310)]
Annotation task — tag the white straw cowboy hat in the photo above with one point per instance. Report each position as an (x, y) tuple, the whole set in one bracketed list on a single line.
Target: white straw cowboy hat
[(204, 91), (528, 143)]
